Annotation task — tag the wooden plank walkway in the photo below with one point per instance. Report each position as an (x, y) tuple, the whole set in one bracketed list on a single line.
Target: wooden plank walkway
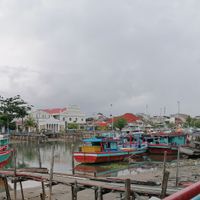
[(88, 182)]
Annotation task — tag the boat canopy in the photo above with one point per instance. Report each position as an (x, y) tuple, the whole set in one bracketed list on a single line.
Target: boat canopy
[(93, 140)]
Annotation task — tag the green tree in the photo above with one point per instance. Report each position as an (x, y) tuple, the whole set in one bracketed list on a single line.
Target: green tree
[(30, 123), (120, 123), (72, 126), (12, 107)]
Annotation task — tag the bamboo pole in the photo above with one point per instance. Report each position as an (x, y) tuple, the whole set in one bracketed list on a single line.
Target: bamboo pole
[(177, 167), (51, 173)]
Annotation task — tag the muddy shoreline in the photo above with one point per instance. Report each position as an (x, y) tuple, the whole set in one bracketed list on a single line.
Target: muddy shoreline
[(188, 173)]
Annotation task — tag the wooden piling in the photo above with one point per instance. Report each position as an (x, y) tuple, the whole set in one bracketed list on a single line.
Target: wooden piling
[(100, 195), (96, 193), (74, 190), (22, 192), (128, 189), (15, 171), (40, 166), (165, 177), (51, 172), (72, 146), (177, 167), (164, 162), (164, 184), (6, 187)]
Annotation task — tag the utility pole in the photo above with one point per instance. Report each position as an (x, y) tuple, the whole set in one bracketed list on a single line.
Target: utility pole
[(111, 117), (178, 103)]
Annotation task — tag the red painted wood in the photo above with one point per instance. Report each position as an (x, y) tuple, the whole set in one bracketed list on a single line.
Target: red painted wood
[(186, 193)]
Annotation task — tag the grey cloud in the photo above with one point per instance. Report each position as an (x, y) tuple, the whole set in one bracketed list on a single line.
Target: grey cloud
[(94, 53)]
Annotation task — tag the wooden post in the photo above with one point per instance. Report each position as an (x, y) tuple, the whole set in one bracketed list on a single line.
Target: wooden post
[(51, 173), (127, 189), (22, 192), (177, 167), (15, 172), (164, 184), (96, 193), (100, 195), (74, 190), (164, 162), (6, 187), (40, 166), (72, 157), (165, 178)]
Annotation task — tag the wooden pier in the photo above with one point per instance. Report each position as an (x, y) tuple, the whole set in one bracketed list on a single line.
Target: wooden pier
[(77, 183)]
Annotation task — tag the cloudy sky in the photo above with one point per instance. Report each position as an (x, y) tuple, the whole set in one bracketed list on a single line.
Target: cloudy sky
[(128, 53)]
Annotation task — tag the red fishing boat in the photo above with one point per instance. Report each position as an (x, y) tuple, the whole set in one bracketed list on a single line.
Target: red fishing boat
[(99, 150)]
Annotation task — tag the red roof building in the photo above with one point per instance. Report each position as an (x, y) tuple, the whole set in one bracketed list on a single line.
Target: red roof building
[(54, 111), (129, 117)]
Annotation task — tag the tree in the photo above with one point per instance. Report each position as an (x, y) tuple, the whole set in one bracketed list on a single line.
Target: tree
[(12, 107), (120, 123), (30, 123), (72, 126)]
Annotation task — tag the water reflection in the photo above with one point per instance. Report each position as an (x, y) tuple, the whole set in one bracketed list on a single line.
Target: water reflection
[(28, 154)]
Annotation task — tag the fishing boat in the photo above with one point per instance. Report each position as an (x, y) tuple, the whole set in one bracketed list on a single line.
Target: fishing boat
[(4, 157), (161, 142), (5, 152), (133, 141), (103, 149)]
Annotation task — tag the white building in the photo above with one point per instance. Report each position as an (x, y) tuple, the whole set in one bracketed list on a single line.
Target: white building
[(46, 121), (57, 119)]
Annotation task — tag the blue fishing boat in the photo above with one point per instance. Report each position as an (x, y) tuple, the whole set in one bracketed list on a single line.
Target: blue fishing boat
[(160, 142)]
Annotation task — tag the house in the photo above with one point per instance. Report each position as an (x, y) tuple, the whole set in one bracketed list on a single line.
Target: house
[(58, 119), (46, 122)]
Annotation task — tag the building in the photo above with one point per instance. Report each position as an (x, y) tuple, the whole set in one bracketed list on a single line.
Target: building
[(46, 122), (58, 119)]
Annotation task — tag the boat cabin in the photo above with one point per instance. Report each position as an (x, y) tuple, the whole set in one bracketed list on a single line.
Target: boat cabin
[(97, 144), (175, 139)]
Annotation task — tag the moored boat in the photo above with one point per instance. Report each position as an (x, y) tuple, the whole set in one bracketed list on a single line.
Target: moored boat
[(5, 151), (161, 142), (100, 150)]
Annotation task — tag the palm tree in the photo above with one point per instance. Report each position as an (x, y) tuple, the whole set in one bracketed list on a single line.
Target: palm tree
[(29, 123)]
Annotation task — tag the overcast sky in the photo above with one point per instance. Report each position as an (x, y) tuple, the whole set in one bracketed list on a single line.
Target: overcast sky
[(128, 53)]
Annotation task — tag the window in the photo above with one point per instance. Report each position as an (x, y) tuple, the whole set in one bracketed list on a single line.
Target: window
[(70, 119)]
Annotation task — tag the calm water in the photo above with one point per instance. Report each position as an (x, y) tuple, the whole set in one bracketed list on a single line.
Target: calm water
[(28, 156)]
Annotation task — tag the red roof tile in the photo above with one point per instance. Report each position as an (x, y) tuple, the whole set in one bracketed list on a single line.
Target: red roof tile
[(54, 110), (129, 117)]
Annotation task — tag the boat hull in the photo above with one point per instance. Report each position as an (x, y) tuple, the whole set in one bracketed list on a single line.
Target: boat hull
[(103, 157), (99, 157), (160, 149), (4, 157)]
